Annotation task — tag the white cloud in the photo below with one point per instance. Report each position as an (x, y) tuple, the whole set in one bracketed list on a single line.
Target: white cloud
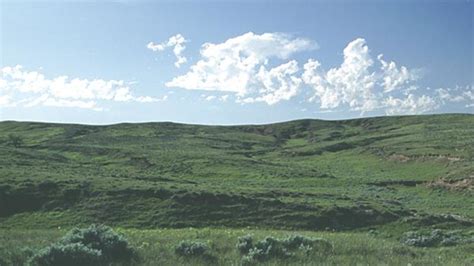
[(446, 95), (61, 91), (409, 89), (260, 68), (393, 77), (5, 100), (162, 99), (210, 98), (356, 83), (47, 100), (224, 98), (351, 83), (177, 42), (279, 83), (457, 95), (469, 94), (239, 65), (409, 105)]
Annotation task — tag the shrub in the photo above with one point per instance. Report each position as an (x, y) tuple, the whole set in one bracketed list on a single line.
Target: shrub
[(248, 260), (75, 254), (15, 141), (308, 244), (271, 247), (403, 251), (299, 241), (95, 245), (306, 249), (434, 238), (15, 255), (295, 241), (114, 247), (191, 248), (255, 255), (321, 245), (244, 244)]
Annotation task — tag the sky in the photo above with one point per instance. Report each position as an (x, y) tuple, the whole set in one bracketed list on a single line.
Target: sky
[(233, 62)]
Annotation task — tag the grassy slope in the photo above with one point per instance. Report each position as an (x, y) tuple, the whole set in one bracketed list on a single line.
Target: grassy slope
[(156, 246), (305, 175)]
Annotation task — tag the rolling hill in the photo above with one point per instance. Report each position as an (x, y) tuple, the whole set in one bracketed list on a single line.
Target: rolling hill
[(307, 174), (390, 174)]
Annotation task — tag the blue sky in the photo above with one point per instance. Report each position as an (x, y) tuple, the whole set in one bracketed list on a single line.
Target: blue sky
[(100, 63)]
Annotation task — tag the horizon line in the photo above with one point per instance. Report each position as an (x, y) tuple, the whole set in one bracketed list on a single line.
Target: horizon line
[(232, 125)]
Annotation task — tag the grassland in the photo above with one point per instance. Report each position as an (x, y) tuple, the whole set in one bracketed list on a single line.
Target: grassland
[(360, 183), (155, 247)]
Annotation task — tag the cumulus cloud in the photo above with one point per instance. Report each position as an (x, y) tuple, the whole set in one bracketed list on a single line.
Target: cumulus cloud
[(469, 94), (351, 83), (409, 105), (278, 83), (177, 42), (240, 65), (358, 83), (243, 65), (210, 98), (394, 77), (61, 91), (362, 86), (412, 104), (224, 98), (445, 94), (458, 94), (5, 101), (261, 68), (47, 100)]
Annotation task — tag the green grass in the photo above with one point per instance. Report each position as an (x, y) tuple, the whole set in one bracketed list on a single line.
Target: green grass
[(350, 176), (156, 247)]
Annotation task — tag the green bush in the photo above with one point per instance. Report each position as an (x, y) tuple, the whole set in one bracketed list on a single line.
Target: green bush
[(271, 247), (244, 244), (10, 255), (114, 247), (95, 245), (254, 256), (15, 141), (191, 248), (75, 254), (434, 238)]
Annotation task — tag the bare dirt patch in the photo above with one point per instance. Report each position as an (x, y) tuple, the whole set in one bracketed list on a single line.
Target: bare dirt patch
[(459, 184), (398, 158)]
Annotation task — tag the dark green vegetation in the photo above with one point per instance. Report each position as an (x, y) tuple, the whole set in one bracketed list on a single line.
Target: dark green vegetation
[(386, 176), (157, 247), (95, 245), (271, 248)]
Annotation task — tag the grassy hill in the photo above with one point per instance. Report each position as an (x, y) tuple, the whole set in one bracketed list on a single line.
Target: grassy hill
[(389, 174)]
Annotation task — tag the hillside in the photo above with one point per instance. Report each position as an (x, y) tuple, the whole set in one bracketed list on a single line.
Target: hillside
[(309, 174)]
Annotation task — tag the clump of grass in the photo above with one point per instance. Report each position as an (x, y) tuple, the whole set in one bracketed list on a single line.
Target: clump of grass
[(14, 255), (435, 238), (299, 241), (188, 248), (195, 250), (74, 254), (244, 244), (95, 245), (273, 248)]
